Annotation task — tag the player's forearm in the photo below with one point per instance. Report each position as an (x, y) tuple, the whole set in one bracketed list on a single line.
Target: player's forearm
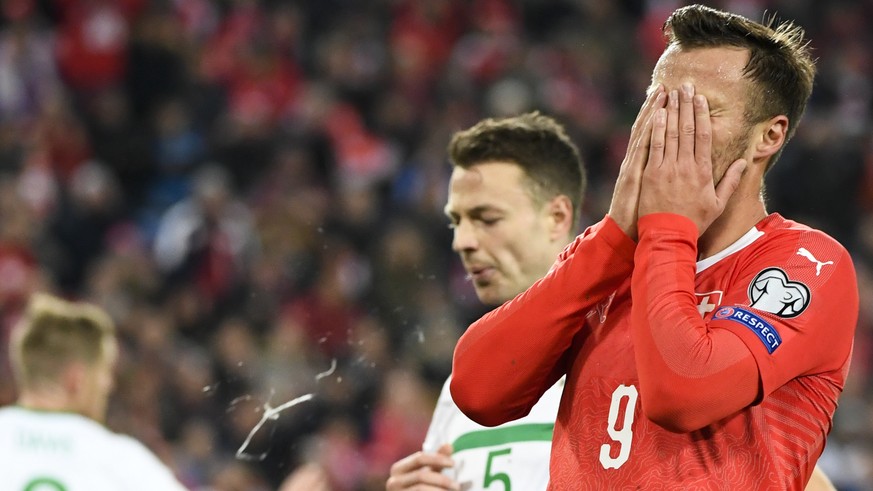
[(690, 375), (506, 360)]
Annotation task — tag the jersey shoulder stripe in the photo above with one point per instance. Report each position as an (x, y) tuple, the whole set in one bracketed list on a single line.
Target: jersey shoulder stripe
[(532, 432)]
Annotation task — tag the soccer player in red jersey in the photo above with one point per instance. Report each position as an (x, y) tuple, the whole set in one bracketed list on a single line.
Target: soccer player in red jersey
[(705, 341)]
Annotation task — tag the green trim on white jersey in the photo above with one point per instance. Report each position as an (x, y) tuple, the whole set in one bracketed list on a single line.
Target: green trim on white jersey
[(492, 437), (511, 456)]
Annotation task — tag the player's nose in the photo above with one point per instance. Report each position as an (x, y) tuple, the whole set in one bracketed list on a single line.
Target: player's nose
[(464, 238)]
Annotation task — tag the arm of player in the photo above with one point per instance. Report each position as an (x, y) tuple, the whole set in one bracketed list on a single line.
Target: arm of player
[(509, 358), (506, 360), (423, 471), (781, 317), (690, 376)]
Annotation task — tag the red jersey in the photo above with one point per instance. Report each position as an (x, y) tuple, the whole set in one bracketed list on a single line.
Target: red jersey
[(740, 357)]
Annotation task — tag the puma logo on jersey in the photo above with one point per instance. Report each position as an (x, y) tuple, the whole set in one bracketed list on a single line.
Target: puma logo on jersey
[(818, 264), (772, 291)]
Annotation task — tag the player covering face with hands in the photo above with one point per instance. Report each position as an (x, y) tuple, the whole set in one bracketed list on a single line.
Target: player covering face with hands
[(513, 203), (703, 348)]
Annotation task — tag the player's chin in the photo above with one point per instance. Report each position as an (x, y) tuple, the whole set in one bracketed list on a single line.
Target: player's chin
[(488, 293)]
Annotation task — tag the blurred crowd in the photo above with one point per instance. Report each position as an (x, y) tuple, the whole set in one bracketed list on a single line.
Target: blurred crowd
[(254, 190)]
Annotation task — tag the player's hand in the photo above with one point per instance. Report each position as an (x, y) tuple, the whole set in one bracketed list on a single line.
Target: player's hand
[(422, 471), (678, 175), (307, 477), (625, 196)]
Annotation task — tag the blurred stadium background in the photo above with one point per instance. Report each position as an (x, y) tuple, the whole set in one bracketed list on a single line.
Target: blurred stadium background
[(254, 189)]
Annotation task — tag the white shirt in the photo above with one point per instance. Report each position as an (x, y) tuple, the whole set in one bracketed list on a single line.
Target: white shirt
[(514, 455), (56, 451)]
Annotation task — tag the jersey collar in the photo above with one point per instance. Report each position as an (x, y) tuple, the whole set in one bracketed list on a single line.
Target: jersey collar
[(747, 238)]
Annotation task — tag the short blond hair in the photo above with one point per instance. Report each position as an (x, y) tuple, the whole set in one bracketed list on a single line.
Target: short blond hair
[(53, 333)]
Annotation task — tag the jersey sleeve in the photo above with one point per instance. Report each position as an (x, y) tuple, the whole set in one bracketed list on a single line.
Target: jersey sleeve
[(795, 306), (506, 360), (437, 432), (694, 372)]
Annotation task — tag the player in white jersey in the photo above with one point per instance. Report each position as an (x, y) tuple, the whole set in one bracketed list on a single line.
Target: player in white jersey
[(515, 454), (513, 203), (57, 451), (63, 356)]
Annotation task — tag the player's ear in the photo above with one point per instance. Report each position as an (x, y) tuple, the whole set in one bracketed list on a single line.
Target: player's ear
[(560, 210), (772, 136), (74, 377)]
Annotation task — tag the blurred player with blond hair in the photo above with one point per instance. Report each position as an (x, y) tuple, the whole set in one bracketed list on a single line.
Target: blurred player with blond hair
[(63, 357)]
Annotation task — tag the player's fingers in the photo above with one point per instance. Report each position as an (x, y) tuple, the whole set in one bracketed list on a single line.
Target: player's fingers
[(639, 152), (445, 449), (729, 183), (419, 460), (658, 139), (649, 105), (671, 141), (687, 121), (423, 479), (702, 133), (625, 198), (639, 139)]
